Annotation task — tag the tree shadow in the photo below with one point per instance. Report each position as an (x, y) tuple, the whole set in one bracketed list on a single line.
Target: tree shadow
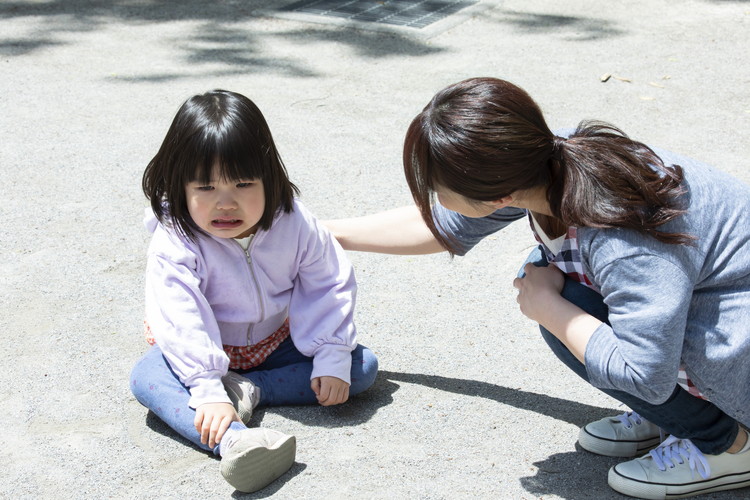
[(571, 28), (216, 37), (13, 47), (219, 36), (97, 12)]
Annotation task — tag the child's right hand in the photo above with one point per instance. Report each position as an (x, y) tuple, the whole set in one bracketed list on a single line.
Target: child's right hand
[(212, 420), (330, 390)]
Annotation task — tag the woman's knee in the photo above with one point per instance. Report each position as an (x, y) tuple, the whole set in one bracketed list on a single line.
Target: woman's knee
[(536, 257), (586, 298)]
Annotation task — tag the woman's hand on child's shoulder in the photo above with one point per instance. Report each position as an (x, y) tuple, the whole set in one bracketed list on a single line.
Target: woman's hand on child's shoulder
[(212, 420), (330, 390)]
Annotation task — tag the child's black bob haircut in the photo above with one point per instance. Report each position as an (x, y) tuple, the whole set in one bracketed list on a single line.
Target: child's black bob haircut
[(216, 127)]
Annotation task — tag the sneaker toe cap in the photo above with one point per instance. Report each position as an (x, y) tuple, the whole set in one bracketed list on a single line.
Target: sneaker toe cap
[(632, 479), (632, 469)]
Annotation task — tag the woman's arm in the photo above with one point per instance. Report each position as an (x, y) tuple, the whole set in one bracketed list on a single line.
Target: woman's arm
[(398, 231)]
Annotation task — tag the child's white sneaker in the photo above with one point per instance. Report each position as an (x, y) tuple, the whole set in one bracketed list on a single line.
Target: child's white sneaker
[(243, 393), (677, 469), (627, 435), (253, 458)]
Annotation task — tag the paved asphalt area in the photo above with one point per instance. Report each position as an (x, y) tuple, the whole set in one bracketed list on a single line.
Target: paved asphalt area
[(469, 402)]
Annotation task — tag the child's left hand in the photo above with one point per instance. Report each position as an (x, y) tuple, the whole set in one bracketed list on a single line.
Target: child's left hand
[(537, 289), (330, 390)]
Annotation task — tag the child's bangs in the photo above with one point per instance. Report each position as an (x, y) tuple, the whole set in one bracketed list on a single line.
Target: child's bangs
[(243, 166), (203, 168), (233, 164)]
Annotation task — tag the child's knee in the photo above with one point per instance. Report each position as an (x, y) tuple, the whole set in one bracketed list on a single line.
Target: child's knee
[(142, 374), (364, 369), (138, 380)]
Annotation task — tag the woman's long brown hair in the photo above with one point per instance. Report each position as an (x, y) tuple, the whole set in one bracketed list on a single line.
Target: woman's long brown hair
[(485, 138)]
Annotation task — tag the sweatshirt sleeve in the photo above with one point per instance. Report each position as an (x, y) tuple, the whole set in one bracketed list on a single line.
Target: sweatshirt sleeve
[(321, 312), (648, 297), (181, 319)]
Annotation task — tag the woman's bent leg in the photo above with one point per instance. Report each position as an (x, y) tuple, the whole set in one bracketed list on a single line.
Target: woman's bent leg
[(682, 415)]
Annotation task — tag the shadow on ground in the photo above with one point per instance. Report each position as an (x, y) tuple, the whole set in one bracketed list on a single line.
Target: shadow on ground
[(575, 475), (218, 34), (572, 412)]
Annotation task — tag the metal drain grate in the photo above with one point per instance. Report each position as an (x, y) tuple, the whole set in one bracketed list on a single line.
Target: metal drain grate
[(409, 13)]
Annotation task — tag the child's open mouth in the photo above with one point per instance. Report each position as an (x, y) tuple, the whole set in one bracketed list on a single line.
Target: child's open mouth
[(226, 223)]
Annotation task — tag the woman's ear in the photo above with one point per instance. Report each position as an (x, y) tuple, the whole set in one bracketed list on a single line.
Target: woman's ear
[(502, 202)]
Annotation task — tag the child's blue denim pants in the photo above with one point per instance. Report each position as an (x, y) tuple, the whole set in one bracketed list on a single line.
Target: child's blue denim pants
[(283, 379)]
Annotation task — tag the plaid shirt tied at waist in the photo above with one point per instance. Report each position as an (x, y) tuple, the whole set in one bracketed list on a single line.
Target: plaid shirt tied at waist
[(244, 357)]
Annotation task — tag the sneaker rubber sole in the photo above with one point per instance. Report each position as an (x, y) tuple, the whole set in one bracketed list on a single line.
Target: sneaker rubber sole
[(257, 467), (616, 447), (661, 491)]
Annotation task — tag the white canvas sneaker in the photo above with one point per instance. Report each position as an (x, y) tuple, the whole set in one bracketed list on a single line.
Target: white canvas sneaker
[(627, 435), (677, 469)]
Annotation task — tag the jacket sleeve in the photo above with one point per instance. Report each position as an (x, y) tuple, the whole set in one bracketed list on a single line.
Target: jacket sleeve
[(321, 311), (648, 297), (181, 319)]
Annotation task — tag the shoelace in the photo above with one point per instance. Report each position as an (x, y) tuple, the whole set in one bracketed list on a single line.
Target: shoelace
[(674, 451), (629, 418)]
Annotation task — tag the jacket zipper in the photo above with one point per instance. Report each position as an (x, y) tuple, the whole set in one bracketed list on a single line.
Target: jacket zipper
[(257, 288)]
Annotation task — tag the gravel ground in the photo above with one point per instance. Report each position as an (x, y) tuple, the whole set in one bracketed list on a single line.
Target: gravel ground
[(469, 403)]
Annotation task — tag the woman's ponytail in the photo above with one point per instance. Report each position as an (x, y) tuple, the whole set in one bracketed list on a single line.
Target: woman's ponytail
[(604, 179)]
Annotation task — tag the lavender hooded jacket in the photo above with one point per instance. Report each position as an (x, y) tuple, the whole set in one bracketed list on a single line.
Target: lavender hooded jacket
[(205, 293)]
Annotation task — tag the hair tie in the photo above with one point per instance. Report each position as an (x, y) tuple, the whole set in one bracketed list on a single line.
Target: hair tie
[(557, 147)]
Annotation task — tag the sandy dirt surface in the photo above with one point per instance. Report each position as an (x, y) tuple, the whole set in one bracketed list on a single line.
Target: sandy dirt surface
[(469, 403)]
